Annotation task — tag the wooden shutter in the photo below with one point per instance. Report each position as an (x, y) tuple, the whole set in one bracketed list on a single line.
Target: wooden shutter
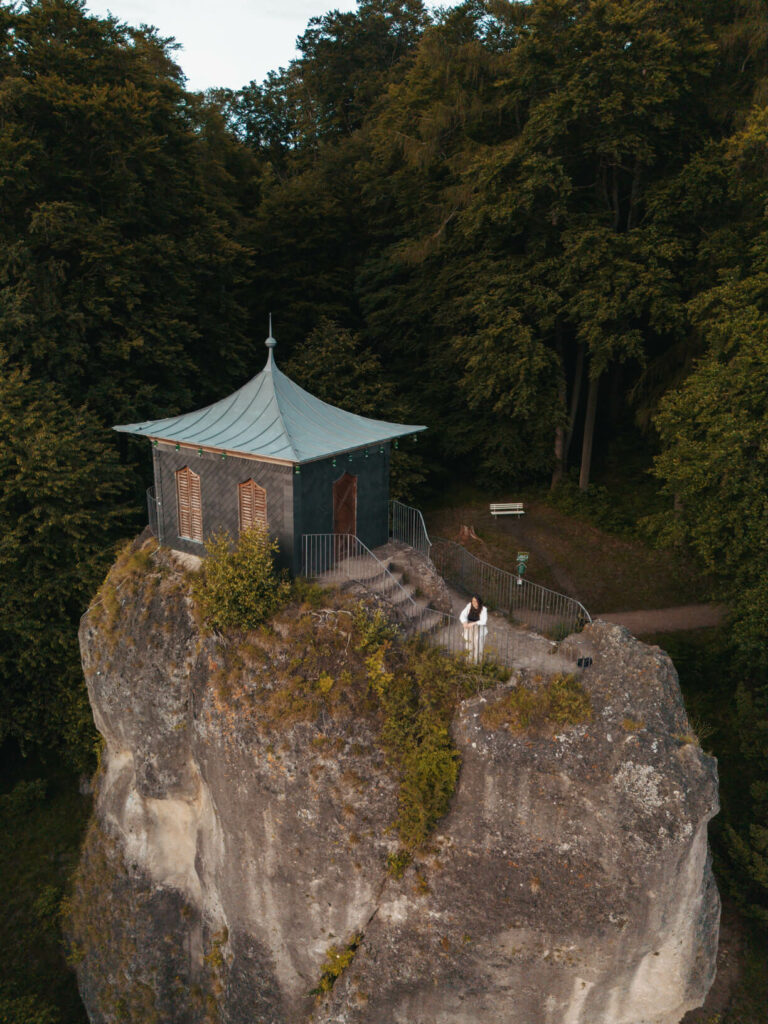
[(253, 505), (190, 505)]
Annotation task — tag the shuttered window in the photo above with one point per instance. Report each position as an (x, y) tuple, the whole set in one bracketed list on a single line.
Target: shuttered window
[(190, 506), (253, 505)]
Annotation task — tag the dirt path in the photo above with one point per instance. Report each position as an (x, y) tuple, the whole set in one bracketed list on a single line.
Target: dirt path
[(668, 620)]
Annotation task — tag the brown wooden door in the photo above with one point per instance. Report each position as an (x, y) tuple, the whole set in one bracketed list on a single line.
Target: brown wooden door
[(345, 504)]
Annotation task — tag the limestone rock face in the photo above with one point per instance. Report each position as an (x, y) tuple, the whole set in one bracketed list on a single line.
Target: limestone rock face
[(569, 884)]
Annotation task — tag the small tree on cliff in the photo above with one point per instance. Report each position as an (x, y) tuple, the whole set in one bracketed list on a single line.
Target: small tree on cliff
[(238, 587)]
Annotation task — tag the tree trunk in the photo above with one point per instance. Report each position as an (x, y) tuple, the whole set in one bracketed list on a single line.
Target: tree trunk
[(589, 433), (558, 467), (616, 403), (575, 395)]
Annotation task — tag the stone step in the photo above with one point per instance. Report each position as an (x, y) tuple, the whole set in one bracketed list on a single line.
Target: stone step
[(362, 569), (416, 615), (431, 622), (398, 596), (390, 582), (421, 617)]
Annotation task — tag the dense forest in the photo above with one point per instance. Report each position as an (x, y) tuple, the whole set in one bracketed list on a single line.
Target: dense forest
[(531, 225)]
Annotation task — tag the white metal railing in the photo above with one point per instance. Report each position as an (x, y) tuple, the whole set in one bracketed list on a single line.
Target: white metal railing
[(153, 513), (334, 558), (544, 610), (407, 525)]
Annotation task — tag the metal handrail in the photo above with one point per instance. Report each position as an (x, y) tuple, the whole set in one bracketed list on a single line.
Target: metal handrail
[(153, 513), (323, 552), (328, 556), (407, 526), (545, 610)]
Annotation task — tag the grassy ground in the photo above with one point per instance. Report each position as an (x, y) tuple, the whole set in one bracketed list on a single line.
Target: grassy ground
[(43, 821), (606, 571)]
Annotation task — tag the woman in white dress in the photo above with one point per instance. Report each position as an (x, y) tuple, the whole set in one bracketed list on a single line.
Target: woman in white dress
[(474, 618)]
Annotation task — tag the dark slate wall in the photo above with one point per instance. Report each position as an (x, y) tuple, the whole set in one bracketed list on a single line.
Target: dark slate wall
[(218, 487), (313, 496)]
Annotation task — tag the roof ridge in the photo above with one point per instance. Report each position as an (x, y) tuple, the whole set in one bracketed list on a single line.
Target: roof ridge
[(273, 369)]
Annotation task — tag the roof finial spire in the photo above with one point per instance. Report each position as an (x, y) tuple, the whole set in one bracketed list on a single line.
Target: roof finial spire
[(270, 343)]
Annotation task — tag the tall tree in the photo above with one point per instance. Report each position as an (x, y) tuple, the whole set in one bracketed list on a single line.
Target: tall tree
[(347, 60), (522, 151), (715, 462), (122, 266), (62, 497), (334, 365)]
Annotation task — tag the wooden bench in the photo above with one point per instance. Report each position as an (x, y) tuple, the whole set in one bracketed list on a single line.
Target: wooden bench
[(507, 508)]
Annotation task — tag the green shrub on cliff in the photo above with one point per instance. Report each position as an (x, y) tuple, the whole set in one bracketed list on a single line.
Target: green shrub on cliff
[(238, 586), (561, 701), (418, 690)]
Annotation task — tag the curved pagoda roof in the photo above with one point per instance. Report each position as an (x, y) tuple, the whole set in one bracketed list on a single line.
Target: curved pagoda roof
[(272, 418)]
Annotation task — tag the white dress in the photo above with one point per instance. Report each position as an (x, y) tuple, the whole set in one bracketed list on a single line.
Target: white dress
[(475, 632)]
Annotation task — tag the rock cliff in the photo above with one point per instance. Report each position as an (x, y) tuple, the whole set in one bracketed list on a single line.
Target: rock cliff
[(236, 867)]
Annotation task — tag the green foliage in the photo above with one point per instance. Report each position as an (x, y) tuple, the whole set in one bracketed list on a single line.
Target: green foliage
[(397, 862), (336, 962), (335, 366), (747, 841), (29, 1010), (373, 628), (522, 149), (569, 702), (23, 797), (121, 246), (561, 701), (731, 711), (430, 772), (306, 592), (43, 823), (121, 266), (61, 506), (626, 491), (238, 586), (418, 697), (715, 461)]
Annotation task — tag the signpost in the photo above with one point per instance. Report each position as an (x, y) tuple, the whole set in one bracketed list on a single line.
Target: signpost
[(522, 566)]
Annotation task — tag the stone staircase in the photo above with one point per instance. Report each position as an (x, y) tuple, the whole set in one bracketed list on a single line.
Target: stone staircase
[(384, 580), (386, 574)]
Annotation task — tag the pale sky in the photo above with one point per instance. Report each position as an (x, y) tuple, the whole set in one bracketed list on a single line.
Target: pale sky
[(226, 42)]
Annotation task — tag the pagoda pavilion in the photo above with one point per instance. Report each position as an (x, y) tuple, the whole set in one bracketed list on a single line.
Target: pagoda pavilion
[(270, 453)]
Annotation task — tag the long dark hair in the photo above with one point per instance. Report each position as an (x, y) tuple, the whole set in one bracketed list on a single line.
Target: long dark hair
[(474, 613)]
